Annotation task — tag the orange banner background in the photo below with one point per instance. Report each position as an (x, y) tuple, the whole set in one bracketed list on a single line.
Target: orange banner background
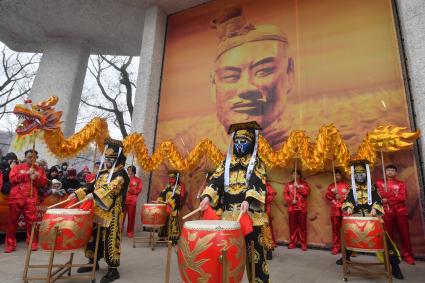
[(347, 71)]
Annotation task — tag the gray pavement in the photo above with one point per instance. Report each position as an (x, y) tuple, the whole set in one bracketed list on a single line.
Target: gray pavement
[(141, 264)]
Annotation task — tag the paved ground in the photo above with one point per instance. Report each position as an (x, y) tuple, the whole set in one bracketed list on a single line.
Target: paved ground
[(143, 265)]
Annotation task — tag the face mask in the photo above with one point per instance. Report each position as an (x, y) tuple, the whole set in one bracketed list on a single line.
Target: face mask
[(109, 162), (360, 177), (242, 147)]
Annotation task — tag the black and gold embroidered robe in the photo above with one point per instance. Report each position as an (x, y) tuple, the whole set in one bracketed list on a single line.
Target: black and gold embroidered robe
[(362, 207), (108, 214), (174, 203), (227, 202)]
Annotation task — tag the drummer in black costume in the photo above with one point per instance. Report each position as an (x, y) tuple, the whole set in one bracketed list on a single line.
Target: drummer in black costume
[(364, 200), (239, 185)]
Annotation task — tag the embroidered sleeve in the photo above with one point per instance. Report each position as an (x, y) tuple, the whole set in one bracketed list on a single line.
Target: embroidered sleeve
[(104, 196), (215, 188), (349, 201), (212, 194), (256, 194), (377, 201)]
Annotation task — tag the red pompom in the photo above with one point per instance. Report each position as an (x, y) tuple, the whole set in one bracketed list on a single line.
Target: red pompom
[(210, 214), (246, 224), (28, 101)]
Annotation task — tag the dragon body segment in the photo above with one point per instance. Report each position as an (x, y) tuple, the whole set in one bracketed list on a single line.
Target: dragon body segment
[(42, 120)]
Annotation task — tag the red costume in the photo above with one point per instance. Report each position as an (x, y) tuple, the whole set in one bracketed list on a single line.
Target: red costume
[(336, 198), (395, 217), (297, 212), (90, 177), (134, 189), (21, 202), (270, 196)]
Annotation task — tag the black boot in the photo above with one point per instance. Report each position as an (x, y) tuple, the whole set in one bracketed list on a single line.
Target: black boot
[(112, 275), (397, 272), (269, 255), (88, 269), (348, 254), (339, 261)]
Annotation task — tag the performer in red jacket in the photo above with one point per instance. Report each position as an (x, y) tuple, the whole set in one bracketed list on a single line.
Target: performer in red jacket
[(336, 196), (25, 179), (395, 217), (295, 194), (134, 189)]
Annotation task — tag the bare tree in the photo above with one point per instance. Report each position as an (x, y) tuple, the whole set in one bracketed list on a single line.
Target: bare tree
[(16, 76), (114, 81)]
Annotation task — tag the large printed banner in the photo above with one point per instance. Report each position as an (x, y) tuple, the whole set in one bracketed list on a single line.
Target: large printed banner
[(289, 65)]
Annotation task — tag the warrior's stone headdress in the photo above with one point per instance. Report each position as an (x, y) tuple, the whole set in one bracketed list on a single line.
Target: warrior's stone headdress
[(233, 30)]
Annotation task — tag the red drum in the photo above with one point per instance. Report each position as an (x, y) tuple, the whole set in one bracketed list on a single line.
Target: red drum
[(154, 215), (363, 234), (75, 229), (200, 246)]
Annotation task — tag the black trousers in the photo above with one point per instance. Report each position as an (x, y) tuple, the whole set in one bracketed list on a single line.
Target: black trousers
[(109, 243)]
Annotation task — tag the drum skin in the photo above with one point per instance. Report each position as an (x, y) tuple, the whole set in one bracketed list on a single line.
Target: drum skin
[(154, 215), (199, 251), (75, 229), (363, 234)]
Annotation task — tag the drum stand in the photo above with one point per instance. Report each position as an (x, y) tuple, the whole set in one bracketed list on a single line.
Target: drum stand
[(53, 275), (363, 268), (154, 237), (168, 264)]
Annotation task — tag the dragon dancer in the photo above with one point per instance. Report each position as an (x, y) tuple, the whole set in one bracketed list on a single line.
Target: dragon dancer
[(108, 191), (26, 180), (295, 193), (336, 193), (239, 186), (396, 214)]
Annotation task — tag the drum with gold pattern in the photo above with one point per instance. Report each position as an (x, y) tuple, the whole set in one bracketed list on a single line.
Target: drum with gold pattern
[(74, 229), (154, 214), (199, 250), (363, 234)]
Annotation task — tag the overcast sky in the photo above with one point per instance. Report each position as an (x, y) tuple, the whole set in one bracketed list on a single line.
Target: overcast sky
[(90, 89)]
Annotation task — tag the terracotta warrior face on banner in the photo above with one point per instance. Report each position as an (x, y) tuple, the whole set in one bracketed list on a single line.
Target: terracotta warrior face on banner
[(253, 72)]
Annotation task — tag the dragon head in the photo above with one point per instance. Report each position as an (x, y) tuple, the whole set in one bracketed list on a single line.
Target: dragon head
[(40, 116)]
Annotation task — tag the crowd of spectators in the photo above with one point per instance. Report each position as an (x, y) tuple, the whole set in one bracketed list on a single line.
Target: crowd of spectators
[(62, 178)]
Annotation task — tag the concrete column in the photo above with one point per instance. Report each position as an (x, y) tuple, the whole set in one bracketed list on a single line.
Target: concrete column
[(148, 83), (412, 22), (61, 72)]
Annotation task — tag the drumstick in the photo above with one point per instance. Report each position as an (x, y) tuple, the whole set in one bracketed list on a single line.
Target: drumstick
[(59, 203), (78, 203), (191, 213)]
